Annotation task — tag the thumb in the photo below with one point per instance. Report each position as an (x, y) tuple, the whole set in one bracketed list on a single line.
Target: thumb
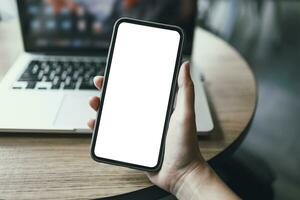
[(185, 95)]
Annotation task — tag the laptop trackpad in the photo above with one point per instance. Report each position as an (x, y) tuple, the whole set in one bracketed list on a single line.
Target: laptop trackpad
[(74, 112), (28, 110)]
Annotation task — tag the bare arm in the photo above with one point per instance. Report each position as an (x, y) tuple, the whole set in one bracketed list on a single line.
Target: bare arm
[(202, 183)]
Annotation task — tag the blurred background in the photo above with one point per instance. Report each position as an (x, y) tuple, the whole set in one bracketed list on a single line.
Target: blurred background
[(267, 33)]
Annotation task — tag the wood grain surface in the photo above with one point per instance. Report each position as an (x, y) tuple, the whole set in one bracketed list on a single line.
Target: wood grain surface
[(39, 166)]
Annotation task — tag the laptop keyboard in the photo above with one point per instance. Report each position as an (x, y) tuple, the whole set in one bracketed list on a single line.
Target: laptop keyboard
[(55, 75)]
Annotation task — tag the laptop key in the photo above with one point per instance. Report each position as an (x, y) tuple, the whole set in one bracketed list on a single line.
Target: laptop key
[(69, 86), (58, 70), (31, 85), (55, 86), (56, 83), (47, 70), (101, 71), (61, 74), (87, 86), (40, 76), (52, 75), (26, 76), (35, 69), (75, 75), (20, 85), (43, 85), (64, 75)]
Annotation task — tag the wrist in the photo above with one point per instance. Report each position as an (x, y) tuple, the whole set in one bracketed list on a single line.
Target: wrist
[(197, 173), (201, 182)]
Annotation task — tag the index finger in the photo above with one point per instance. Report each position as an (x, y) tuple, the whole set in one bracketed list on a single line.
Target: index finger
[(98, 80)]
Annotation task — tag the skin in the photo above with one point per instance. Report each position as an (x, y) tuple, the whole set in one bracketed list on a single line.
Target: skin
[(184, 172)]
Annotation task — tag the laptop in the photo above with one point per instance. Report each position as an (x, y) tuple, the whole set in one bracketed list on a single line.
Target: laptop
[(65, 46)]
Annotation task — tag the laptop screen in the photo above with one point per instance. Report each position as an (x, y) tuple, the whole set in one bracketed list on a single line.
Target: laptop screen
[(85, 26)]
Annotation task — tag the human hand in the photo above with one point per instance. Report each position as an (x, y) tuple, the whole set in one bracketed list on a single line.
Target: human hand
[(182, 154), (95, 101), (184, 172)]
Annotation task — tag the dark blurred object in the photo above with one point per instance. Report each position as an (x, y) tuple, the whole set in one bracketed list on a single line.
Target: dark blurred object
[(245, 180), (86, 26), (267, 34), (252, 25)]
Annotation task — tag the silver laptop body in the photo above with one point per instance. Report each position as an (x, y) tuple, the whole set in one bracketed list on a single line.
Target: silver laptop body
[(48, 88)]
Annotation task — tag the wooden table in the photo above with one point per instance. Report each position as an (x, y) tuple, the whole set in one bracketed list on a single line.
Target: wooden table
[(34, 166)]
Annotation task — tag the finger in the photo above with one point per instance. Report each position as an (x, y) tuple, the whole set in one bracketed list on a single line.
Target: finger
[(98, 81), (94, 102), (185, 96), (91, 123)]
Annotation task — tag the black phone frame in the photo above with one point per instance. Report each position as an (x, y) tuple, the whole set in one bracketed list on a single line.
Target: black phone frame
[(171, 96)]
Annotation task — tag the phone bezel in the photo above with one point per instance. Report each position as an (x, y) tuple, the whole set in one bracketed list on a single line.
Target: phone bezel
[(171, 96)]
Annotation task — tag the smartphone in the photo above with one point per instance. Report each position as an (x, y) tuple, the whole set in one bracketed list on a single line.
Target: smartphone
[(137, 94)]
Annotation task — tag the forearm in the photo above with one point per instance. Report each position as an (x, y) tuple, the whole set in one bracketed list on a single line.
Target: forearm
[(202, 183)]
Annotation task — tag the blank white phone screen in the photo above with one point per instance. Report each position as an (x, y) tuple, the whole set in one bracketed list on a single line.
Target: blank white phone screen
[(137, 94)]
